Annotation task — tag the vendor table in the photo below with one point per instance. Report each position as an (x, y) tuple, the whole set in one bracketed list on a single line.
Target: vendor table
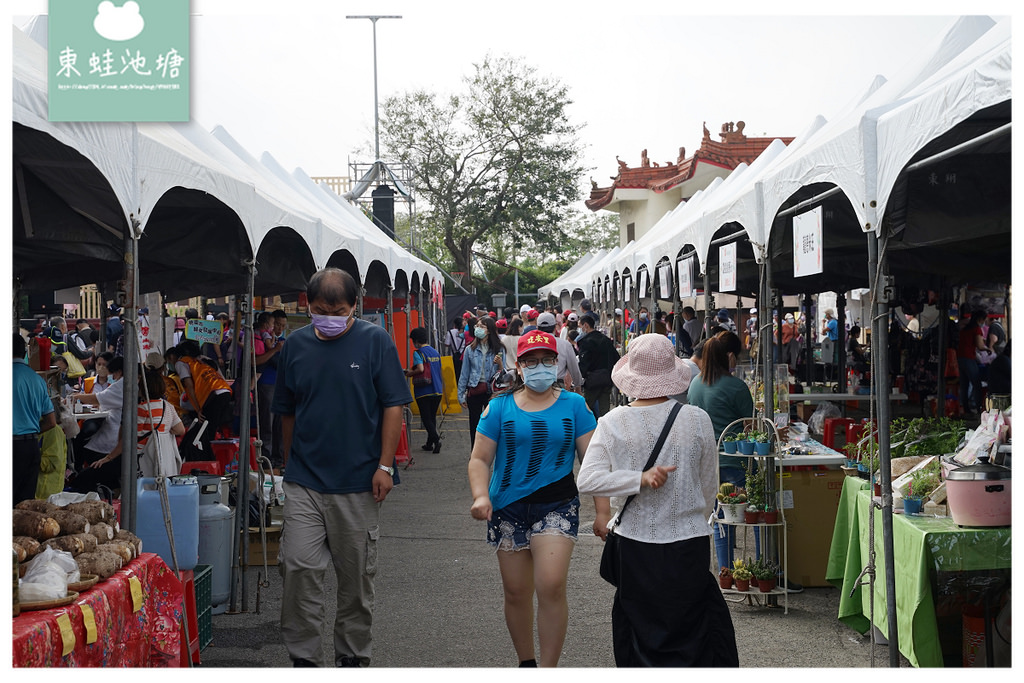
[(133, 619), (822, 397), (96, 415), (935, 560)]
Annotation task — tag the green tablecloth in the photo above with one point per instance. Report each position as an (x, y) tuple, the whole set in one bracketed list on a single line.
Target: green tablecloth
[(921, 545)]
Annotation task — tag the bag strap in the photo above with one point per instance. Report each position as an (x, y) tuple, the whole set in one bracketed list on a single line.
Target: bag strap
[(654, 456)]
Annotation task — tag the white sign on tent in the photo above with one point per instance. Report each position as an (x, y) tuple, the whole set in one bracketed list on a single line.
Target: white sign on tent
[(727, 267), (685, 268), (807, 243), (665, 272), (644, 281)]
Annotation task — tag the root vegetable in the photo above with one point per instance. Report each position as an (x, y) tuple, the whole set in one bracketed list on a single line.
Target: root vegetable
[(124, 550), (71, 522), (34, 524), (129, 537), (99, 562), (20, 552), (93, 510), (69, 544), (89, 542), (37, 506), (31, 545), (102, 531)]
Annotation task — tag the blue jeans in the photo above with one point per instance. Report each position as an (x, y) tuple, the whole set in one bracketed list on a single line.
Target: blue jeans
[(970, 384), (724, 546)]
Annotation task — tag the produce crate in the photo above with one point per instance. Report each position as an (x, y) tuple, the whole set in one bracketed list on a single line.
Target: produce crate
[(204, 580)]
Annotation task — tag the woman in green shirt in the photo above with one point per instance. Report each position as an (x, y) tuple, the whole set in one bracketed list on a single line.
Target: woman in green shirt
[(724, 398)]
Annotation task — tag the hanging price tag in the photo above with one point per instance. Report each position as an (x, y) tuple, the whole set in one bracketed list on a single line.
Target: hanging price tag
[(89, 620), (135, 586), (67, 634)]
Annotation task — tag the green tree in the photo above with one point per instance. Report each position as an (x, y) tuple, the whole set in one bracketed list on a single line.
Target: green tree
[(501, 160)]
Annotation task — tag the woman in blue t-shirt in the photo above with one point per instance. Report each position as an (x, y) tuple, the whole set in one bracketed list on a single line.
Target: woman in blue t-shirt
[(530, 433), (426, 365)]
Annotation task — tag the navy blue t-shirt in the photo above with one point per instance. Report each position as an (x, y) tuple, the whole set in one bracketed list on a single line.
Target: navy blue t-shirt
[(337, 391)]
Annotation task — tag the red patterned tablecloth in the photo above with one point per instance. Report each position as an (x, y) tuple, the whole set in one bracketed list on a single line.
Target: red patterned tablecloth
[(145, 635)]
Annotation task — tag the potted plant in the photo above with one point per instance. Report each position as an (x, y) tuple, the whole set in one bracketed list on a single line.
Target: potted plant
[(725, 578), (771, 513), (732, 500), (745, 445), (762, 442), (851, 458), (741, 575), (922, 483), (729, 443), (755, 486), (766, 573)]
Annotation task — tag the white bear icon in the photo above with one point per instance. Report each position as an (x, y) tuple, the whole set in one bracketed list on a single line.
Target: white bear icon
[(118, 23)]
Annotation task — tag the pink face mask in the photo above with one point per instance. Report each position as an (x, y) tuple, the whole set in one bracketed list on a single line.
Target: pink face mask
[(331, 325)]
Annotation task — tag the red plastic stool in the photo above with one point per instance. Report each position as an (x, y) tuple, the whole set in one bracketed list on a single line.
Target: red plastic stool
[(205, 466), (831, 424), (191, 648), (402, 454)]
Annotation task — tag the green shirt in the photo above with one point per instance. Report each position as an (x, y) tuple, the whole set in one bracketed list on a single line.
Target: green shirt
[(726, 400)]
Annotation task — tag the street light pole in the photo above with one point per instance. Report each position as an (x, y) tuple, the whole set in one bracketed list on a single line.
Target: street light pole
[(376, 117)]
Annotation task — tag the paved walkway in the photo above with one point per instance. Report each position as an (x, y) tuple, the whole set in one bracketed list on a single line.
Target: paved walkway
[(439, 598)]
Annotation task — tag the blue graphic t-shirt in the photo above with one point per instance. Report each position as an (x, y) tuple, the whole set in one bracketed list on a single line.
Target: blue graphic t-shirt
[(534, 448)]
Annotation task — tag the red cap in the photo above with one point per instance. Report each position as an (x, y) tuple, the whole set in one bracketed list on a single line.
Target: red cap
[(467, 315), (567, 311), (501, 324), (536, 340), (532, 315), (492, 314)]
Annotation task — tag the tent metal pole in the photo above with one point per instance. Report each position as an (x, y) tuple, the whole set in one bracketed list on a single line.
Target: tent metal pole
[(962, 147), (809, 202), (880, 375), (709, 303), (841, 365), (389, 312), (940, 389), (130, 377), (808, 340), (241, 542)]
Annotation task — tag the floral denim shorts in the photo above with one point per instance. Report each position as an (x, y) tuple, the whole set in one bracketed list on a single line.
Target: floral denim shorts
[(511, 527)]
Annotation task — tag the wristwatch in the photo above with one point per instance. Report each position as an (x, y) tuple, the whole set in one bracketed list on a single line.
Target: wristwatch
[(389, 470)]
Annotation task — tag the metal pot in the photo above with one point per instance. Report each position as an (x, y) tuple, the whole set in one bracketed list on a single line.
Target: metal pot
[(979, 494)]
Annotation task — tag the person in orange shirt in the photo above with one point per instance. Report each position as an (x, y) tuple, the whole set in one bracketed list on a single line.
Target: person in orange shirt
[(209, 393)]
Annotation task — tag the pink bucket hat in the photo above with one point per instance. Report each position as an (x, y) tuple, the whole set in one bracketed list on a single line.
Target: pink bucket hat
[(651, 369)]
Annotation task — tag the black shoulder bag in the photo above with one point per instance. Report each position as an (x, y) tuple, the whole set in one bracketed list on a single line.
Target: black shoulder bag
[(612, 547)]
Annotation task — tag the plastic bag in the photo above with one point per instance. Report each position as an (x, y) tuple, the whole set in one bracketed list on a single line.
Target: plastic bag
[(67, 497), (817, 422), (47, 576)]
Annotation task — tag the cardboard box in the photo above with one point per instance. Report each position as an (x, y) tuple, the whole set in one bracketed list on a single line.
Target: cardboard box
[(256, 546), (805, 410), (810, 503)]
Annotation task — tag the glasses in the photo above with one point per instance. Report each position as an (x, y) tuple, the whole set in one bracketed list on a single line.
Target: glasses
[(531, 363)]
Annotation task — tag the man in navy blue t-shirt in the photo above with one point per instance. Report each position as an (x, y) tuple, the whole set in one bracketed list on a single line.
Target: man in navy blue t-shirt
[(340, 390)]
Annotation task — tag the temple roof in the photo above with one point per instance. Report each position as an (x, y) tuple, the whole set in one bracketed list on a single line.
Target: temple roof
[(734, 149)]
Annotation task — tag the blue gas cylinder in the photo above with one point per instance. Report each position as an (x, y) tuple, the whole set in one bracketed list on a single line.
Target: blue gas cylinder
[(216, 522), (183, 497)]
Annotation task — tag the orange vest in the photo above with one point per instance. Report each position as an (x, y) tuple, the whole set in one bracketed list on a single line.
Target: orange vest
[(173, 391), (206, 381)]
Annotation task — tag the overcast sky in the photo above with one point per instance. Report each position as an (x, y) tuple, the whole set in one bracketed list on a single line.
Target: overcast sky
[(296, 78)]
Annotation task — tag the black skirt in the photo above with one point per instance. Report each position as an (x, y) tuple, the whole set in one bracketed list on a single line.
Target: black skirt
[(668, 609)]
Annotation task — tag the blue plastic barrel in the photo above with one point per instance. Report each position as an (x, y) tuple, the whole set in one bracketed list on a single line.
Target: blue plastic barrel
[(183, 496)]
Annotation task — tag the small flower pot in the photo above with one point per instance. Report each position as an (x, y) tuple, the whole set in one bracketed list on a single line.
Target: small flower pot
[(725, 582), (771, 516), (742, 585), (763, 448), (732, 512), (766, 585), (852, 462), (862, 471), (753, 581), (751, 516), (912, 506), (729, 446), (745, 447)]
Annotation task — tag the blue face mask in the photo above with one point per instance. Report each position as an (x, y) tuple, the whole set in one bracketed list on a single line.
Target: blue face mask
[(539, 378)]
